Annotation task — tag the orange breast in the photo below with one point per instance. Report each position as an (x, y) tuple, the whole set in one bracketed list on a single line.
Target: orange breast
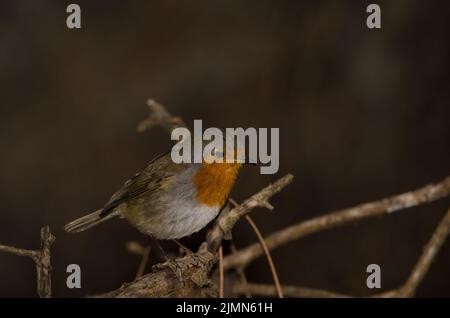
[(214, 182)]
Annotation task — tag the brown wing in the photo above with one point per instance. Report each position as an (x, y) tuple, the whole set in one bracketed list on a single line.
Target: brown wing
[(142, 182)]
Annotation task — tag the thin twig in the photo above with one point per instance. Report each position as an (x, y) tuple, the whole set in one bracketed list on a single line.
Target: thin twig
[(408, 289), (144, 261), (42, 260), (423, 264), (221, 273), (266, 251), (19, 252), (268, 256), (143, 251), (392, 204), (159, 116)]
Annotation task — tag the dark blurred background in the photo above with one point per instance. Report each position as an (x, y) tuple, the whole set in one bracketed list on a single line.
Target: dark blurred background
[(363, 114)]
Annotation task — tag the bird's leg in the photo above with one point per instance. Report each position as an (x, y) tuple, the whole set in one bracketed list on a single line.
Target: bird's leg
[(183, 248), (195, 257), (162, 251), (171, 263)]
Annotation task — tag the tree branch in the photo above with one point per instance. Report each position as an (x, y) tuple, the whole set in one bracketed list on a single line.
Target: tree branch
[(392, 204), (159, 116), (268, 256), (422, 266), (188, 276), (408, 289), (19, 252)]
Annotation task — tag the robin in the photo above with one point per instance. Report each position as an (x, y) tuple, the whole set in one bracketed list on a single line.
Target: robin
[(167, 200)]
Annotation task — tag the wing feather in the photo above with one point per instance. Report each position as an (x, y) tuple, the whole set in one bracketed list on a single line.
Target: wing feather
[(141, 183)]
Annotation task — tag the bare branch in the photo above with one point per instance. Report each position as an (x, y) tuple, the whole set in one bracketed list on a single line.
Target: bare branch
[(406, 200), (143, 251), (417, 275), (43, 266), (42, 260), (423, 264), (429, 253), (242, 277), (144, 261), (221, 273)]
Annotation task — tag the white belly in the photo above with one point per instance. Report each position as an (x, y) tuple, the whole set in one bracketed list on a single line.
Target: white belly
[(183, 219)]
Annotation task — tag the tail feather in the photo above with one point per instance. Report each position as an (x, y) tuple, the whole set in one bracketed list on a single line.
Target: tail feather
[(88, 221)]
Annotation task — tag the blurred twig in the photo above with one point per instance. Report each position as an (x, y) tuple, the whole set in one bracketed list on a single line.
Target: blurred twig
[(221, 273), (227, 219), (42, 260), (266, 252), (268, 256), (159, 116), (406, 290), (144, 251), (423, 264), (242, 277)]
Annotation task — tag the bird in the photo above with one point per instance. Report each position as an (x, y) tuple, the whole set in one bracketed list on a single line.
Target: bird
[(168, 200)]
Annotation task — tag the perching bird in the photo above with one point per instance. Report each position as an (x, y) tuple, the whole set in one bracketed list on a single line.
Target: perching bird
[(168, 200)]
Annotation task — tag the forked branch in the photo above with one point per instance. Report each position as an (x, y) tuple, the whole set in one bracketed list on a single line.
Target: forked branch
[(42, 260), (392, 204), (408, 289)]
